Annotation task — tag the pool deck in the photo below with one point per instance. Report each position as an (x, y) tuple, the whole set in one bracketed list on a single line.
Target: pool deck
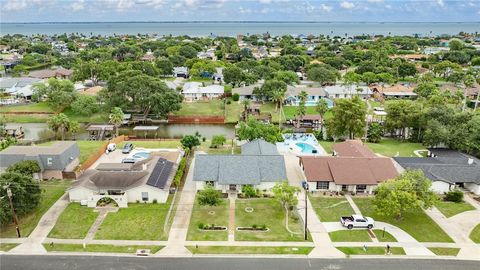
[(289, 145)]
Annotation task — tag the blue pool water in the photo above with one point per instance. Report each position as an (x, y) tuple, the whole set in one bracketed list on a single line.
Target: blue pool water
[(306, 148), (141, 155)]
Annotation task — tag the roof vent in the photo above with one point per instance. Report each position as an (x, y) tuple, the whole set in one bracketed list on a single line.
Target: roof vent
[(470, 161)]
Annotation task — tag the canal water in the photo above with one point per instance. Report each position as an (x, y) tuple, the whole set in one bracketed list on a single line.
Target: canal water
[(40, 131)]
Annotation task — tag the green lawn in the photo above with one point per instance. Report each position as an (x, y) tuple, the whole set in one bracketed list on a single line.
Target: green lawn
[(350, 236), (33, 107), (87, 148), (27, 118), (226, 149), (475, 234), (371, 250), (330, 208), (269, 212), (450, 209), (416, 223), (391, 148), (445, 251), (137, 222), (327, 145), (384, 237), (7, 246), (213, 107), (100, 117), (203, 214), (153, 144), (249, 250), (74, 222), (100, 248), (52, 190)]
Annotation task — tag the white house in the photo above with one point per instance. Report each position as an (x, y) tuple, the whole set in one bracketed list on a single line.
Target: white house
[(344, 91), (144, 181), (193, 91), (22, 87), (314, 94)]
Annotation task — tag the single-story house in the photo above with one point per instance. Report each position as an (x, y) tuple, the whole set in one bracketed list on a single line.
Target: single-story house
[(346, 174), (196, 91), (180, 72), (352, 148), (344, 91), (314, 95), (22, 87), (54, 160), (147, 181), (259, 165), (59, 73), (447, 169), (395, 91), (246, 91), (91, 91), (470, 92)]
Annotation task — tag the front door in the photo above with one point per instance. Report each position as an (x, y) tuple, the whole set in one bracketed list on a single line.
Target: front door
[(233, 188)]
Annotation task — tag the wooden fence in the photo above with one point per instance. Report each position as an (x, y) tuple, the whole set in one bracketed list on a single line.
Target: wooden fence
[(196, 119)]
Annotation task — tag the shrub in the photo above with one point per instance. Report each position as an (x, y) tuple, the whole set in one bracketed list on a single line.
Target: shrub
[(154, 201), (254, 226), (229, 102), (249, 191), (454, 196), (201, 226), (263, 227), (180, 171), (209, 196), (235, 97), (217, 141)]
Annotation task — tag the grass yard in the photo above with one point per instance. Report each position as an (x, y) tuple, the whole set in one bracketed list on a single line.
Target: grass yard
[(153, 144), (269, 212), (475, 234), (33, 107), (327, 145), (7, 246), (450, 209), (203, 214), (371, 250), (137, 222), (100, 248), (27, 118), (384, 237), (74, 222), (52, 190), (249, 250), (350, 236), (416, 223), (330, 208), (214, 107), (225, 150), (391, 148), (445, 251), (99, 117)]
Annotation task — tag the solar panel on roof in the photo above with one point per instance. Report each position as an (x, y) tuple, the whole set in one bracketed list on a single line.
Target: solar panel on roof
[(160, 173)]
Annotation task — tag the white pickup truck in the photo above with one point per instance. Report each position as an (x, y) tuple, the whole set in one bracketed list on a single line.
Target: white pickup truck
[(357, 221)]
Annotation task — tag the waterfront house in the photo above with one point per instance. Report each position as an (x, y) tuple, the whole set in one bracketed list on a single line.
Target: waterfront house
[(246, 91), (193, 91), (344, 91), (22, 87), (395, 91), (55, 160), (259, 165), (59, 73), (314, 95)]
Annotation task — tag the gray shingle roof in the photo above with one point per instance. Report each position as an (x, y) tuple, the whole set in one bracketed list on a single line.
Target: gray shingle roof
[(259, 147)]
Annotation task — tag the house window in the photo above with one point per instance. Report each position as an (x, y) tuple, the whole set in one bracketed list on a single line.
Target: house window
[(322, 185), (49, 161), (144, 196), (361, 188), (344, 187)]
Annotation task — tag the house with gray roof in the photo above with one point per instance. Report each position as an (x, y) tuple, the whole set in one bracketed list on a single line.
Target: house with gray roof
[(314, 94), (259, 165), (447, 169), (54, 160), (145, 181), (344, 91), (246, 91)]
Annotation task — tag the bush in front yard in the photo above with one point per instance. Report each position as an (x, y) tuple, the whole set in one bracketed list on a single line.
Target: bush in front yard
[(235, 97), (454, 196), (248, 191), (209, 196)]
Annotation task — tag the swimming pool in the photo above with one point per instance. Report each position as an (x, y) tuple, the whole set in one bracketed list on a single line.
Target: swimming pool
[(307, 148), (141, 155)]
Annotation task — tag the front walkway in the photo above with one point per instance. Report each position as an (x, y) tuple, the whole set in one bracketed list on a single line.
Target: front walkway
[(103, 212), (33, 244), (232, 197)]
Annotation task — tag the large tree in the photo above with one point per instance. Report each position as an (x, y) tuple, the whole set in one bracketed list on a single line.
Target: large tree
[(60, 124), (85, 105), (409, 191), (253, 129), (233, 75), (135, 91), (60, 93), (322, 75), (349, 118)]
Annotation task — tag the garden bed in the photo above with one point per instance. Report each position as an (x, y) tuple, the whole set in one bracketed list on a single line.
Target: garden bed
[(253, 229)]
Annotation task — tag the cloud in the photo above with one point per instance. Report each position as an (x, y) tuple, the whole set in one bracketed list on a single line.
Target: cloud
[(326, 8), (440, 3), (375, 1), (347, 5), (76, 6), (14, 5)]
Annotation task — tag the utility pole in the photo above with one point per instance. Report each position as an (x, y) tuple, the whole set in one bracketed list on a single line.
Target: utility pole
[(14, 214)]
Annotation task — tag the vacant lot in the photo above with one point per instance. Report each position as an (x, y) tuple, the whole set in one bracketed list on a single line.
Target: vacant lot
[(74, 222), (330, 208), (268, 212), (52, 190), (416, 223), (204, 214), (137, 222), (215, 107), (249, 250), (450, 209)]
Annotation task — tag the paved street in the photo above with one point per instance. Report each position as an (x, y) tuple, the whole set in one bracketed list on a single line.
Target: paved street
[(61, 262)]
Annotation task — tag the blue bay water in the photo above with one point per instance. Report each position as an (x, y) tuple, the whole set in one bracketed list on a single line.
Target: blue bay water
[(234, 28)]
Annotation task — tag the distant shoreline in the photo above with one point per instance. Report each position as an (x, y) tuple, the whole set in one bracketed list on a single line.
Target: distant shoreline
[(182, 22)]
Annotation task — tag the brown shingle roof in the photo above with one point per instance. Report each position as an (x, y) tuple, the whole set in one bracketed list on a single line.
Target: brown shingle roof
[(352, 148), (348, 170)]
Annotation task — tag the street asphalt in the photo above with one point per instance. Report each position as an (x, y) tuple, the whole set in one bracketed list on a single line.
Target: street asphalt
[(81, 262)]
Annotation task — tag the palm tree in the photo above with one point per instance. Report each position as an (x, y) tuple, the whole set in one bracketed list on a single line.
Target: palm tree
[(278, 96), (116, 118), (59, 124), (321, 108), (301, 110), (246, 103)]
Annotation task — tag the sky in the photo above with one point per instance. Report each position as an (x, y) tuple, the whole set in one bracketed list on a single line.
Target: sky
[(240, 10)]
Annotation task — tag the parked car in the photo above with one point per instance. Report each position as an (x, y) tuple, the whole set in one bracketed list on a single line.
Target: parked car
[(129, 160), (127, 148), (357, 221), (111, 147)]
